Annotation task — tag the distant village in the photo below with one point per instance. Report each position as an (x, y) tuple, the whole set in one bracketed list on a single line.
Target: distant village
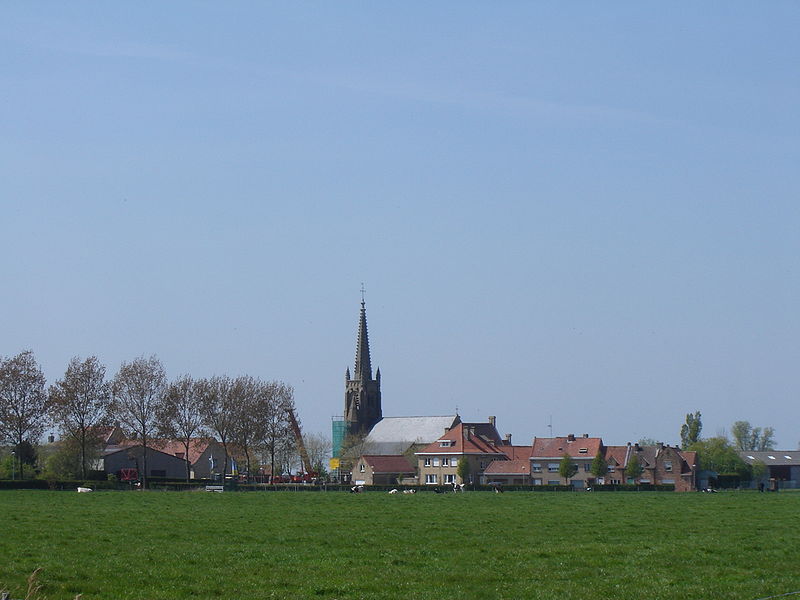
[(138, 427)]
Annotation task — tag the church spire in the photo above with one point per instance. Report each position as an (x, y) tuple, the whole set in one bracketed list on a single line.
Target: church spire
[(363, 368)]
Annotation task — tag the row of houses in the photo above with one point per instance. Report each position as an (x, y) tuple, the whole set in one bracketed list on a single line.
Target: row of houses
[(493, 459)]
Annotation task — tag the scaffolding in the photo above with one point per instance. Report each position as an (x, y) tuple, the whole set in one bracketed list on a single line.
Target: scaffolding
[(338, 433)]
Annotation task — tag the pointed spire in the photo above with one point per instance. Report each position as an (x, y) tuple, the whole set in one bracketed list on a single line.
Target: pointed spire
[(347, 374), (363, 369)]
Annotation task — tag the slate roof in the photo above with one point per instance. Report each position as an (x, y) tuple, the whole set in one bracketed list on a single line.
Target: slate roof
[(170, 447), (772, 457), (388, 464), (394, 435)]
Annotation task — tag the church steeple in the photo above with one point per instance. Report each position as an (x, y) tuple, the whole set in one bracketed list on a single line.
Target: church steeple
[(362, 398), (363, 369)]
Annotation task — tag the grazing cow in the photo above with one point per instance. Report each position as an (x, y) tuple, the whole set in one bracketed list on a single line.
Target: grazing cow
[(356, 489), (409, 491), (82, 490), (392, 491), (498, 490)]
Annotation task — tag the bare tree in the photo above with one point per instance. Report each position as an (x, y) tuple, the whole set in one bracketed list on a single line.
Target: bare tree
[(179, 415), (278, 435), (23, 399), (319, 448), (138, 390), (217, 411), (80, 403), (250, 399)]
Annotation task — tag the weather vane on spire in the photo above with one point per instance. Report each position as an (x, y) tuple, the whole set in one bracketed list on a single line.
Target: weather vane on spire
[(363, 291)]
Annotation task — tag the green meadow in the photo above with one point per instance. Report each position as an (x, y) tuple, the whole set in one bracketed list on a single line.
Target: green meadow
[(172, 545)]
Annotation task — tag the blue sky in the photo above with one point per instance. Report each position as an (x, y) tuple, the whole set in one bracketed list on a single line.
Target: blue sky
[(580, 212)]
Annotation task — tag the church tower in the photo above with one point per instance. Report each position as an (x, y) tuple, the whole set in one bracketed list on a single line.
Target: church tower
[(362, 395)]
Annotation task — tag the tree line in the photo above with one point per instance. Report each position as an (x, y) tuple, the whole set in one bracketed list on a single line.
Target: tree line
[(242, 412)]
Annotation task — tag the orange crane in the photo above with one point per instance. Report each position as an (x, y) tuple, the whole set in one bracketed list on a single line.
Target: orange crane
[(301, 447)]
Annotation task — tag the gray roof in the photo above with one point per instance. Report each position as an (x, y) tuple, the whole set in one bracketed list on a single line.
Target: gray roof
[(394, 435), (772, 457)]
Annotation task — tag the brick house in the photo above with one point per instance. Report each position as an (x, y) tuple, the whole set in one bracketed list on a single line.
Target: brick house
[(479, 443), (661, 465), (547, 453), (372, 469)]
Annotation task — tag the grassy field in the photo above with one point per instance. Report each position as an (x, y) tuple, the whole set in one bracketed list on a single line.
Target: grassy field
[(154, 545)]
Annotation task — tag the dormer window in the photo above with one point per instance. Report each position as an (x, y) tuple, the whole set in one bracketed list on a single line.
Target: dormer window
[(446, 443), (583, 450)]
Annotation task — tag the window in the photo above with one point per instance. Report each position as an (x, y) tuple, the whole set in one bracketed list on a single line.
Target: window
[(435, 461), (583, 451), (537, 468), (537, 482), (610, 468), (587, 467), (668, 481), (483, 465), (668, 465), (445, 461), (449, 478), (553, 482), (552, 467), (430, 478), (427, 461), (446, 444), (361, 468)]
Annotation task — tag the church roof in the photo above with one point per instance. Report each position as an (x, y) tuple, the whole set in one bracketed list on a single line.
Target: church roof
[(394, 435), (363, 367)]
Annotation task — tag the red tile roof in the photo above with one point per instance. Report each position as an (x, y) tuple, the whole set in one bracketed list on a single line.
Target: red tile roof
[(388, 463), (616, 455), (516, 452), (468, 438), (558, 446), (519, 466)]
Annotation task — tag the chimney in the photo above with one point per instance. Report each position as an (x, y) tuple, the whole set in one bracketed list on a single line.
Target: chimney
[(636, 446), (586, 435), (508, 439), (571, 437), (492, 420)]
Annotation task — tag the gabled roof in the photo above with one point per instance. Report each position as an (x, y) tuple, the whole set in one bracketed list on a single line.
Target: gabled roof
[(772, 457), (170, 447), (388, 464), (517, 452), (394, 435), (466, 438), (519, 466), (576, 447), (617, 455)]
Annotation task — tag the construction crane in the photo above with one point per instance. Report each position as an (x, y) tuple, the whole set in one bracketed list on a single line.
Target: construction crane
[(310, 474)]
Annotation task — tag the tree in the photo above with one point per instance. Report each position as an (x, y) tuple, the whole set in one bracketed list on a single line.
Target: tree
[(646, 441), (79, 405), (249, 401), (179, 415), (599, 466), (278, 435), (137, 394), (463, 470), (567, 469), (690, 431), (218, 411), (319, 448), (634, 468), (747, 437), (718, 455), (23, 399)]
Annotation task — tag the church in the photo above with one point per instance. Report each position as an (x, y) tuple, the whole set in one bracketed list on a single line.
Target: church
[(363, 412)]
